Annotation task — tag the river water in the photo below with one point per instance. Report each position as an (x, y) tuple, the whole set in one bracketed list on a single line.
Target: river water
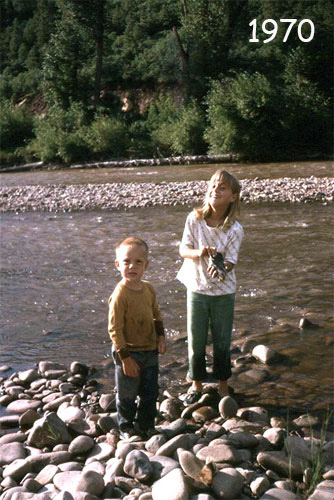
[(57, 272)]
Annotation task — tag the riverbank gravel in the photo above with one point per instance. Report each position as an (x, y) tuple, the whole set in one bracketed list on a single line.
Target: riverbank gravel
[(65, 198)]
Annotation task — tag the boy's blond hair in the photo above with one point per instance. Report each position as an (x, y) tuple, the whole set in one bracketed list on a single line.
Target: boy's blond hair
[(233, 210), (133, 240)]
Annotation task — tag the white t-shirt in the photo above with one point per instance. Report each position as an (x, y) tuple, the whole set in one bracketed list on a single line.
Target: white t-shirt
[(193, 273)]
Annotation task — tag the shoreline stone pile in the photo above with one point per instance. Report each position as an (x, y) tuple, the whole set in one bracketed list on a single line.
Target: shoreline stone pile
[(114, 196), (59, 440)]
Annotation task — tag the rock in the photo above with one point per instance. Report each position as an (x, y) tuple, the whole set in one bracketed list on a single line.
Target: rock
[(264, 354), (17, 469), (323, 491), (177, 427), (48, 431), (154, 443), (220, 453), (28, 376), (275, 436), (38, 462), (162, 466), (9, 421), (282, 464), (101, 451), (227, 483), (107, 402), (243, 439), (259, 486), (204, 414), (47, 474), (195, 468), (138, 465), (10, 452), (23, 405), (81, 445), (277, 493), (28, 418), (90, 482), (173, 486), (80, 368), (214, 431), (228, 407), (13, 437), (185, 441), (67, 481), (171, 408)]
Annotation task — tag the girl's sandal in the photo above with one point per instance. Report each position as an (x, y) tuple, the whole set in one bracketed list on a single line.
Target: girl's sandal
[(192, 397)]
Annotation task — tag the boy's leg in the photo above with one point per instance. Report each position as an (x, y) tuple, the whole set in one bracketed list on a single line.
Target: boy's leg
[(148, 389), (197, 327), (127, 391), (222, 310)]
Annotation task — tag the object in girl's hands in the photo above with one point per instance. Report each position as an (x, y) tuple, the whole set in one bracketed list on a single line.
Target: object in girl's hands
[(217, 262)]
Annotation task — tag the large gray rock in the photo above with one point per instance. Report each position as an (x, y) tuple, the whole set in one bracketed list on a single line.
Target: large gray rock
[(49, 430), (90, 482), (227, 483), (195, 468), (220, 453), (280, 494), (10, 452), (279, 462), (81, 444), (138, 465), (228, 407), (163, 465), (173, 486), (22, 405), (185, 441)]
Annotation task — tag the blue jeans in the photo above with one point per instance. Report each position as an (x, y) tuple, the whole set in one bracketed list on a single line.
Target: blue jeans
[(206, 312), (145, 386)]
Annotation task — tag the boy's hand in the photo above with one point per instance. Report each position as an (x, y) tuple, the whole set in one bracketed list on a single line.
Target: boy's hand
[(130, 367), (161, 344)]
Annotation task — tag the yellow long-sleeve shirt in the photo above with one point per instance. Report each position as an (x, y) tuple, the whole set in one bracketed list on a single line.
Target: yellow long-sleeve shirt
[(133, 315)]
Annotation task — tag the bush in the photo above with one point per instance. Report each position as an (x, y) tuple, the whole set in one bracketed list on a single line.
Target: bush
[(244, 117), (16, 127), (108, 137), (176, 130), (61, 135)]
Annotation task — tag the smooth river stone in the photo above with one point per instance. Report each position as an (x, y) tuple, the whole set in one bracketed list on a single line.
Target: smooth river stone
[(23, 405), (172, 486), (220, 453), (227, 483), (10, 452)]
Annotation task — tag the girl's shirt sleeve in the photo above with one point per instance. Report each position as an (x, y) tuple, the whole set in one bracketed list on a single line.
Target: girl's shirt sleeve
[(233, 243), (188, 238)]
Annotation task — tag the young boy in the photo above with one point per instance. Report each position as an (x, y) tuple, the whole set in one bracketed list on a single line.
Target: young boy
[(137, 333)]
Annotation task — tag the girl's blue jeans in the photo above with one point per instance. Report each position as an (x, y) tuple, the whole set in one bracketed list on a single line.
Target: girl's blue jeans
[(215, 313), (145, 386)]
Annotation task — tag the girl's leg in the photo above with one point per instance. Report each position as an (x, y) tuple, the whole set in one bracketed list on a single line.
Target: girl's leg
[(197, 326), (222, 311)]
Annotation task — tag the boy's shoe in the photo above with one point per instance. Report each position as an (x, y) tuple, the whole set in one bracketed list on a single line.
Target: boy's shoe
[(192, 397), (148, 433), (128, 432)]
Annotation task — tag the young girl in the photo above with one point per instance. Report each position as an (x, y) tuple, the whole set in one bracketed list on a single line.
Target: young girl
[(210, 247)]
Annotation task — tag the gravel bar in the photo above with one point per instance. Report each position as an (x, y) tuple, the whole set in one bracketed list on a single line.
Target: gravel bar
[(65, 198)]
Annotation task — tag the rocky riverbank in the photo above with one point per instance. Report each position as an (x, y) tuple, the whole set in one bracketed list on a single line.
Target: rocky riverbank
[(60, 198), (59, 440)]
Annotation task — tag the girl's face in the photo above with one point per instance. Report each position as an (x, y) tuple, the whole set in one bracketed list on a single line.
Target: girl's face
[(220, 194)]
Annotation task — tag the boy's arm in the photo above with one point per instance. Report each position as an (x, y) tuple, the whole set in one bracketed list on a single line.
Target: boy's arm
[(115, 329)]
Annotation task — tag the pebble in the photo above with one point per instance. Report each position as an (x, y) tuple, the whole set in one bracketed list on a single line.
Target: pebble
[(219, 450), (56, 198)]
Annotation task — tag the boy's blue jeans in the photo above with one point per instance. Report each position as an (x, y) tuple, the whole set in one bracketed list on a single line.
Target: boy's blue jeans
[(209, 312), (145, 386)]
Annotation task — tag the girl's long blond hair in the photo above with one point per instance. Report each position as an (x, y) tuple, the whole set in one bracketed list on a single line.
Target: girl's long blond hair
[(233, 210)]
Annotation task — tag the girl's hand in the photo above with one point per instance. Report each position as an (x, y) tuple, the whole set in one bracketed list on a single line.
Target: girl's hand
[(207, 251), (130, 367), (161, 344)]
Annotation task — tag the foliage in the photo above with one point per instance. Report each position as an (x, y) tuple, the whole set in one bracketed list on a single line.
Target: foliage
[(16, 127), (60, 135), (218, 90)]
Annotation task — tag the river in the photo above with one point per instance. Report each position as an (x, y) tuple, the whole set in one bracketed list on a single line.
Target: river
[(57, 272)]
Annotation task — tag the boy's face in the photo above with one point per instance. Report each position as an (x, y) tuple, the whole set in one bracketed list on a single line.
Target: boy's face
[(131, 262)]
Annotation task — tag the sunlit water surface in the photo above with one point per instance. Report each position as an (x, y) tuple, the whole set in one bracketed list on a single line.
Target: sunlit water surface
[(57, 272)]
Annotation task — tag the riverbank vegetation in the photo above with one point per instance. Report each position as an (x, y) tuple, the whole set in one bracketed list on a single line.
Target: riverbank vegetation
[(103, 79)]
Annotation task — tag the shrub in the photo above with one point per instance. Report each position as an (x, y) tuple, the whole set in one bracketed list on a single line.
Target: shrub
[(176, 129), (108, 137), (16, 127), (60, 135)]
